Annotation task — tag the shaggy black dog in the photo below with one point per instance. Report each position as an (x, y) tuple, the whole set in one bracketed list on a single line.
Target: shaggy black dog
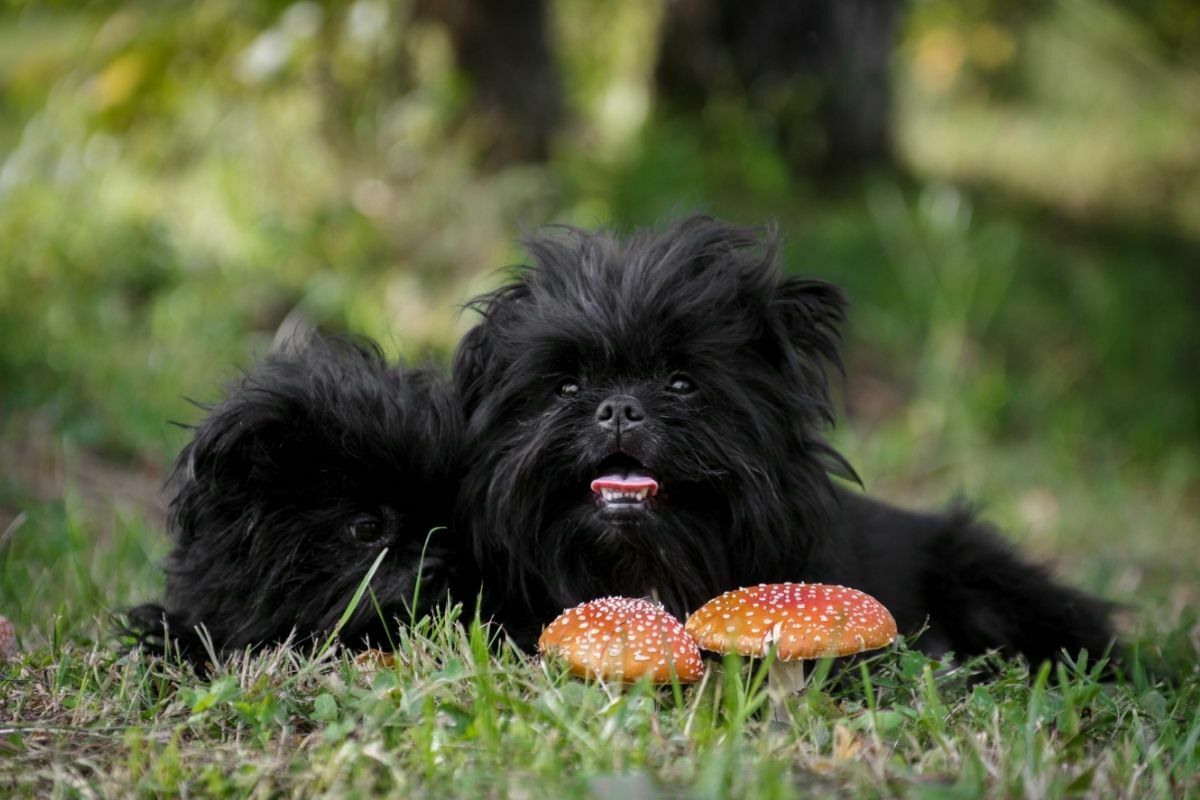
[(291, 488), (645, 417)]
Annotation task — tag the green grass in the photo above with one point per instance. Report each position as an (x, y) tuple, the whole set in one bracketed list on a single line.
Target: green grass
[(456, 716)]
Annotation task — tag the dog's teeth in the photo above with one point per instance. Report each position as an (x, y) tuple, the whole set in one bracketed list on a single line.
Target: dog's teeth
[(613, 495)]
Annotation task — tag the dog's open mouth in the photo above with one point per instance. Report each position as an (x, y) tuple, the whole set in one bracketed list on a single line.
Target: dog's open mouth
[(623, 481)]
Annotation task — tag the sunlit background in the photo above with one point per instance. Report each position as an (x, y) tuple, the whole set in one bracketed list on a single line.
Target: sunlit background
[(1009, 190)]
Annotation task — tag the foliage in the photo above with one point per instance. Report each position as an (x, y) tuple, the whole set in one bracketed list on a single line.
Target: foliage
[(179, 183)]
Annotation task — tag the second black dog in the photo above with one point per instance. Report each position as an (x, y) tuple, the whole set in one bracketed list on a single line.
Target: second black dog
[(292, 486), (646, 418)]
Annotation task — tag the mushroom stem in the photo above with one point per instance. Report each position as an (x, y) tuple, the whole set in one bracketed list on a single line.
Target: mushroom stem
[(783, 679)]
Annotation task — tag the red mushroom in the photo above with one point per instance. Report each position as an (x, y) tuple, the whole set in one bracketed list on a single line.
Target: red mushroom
[(619, 638), (800, 620)]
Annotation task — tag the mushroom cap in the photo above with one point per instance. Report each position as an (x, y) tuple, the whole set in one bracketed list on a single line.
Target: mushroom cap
[(805, 620), (624, 639)]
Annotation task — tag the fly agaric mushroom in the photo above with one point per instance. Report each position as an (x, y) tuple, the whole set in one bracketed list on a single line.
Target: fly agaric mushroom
[(623, 639), (802, 621)]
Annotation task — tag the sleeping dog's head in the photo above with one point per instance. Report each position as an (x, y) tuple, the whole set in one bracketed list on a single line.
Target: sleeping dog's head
[(645, 415), (294, 484)]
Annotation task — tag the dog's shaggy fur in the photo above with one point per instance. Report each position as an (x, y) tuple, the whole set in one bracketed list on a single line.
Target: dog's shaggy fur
[(687, 361), (316, 461)]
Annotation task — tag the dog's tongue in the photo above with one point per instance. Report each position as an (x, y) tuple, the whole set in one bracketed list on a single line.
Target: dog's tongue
[(625, 483)]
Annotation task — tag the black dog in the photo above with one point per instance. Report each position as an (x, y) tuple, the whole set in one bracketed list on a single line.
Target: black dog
[(645, 418), (292, 486)]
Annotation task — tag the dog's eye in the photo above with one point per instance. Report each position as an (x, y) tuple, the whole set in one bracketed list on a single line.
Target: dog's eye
[(681, 384), (365, 530), (568, 388)]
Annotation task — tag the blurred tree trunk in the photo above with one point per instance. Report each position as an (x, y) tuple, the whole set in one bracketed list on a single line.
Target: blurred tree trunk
[(817, 70), (501, 46)]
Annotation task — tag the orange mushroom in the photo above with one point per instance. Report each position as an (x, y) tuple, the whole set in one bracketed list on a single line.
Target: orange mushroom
[(619, 638), (801, 621)]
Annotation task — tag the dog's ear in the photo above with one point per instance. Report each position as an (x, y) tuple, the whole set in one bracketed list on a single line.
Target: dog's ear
[(269, 419), (812, 313), (476, 361), (472, 362), (232, 458), (238, 442), (809, 314)]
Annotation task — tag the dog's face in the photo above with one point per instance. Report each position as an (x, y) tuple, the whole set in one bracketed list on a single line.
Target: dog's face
[(293, 486), (646, 415)]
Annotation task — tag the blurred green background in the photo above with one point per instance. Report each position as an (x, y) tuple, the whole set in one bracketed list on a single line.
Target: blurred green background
[(1022, 245)]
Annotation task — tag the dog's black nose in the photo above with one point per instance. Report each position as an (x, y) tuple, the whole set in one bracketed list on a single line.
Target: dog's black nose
[(620, 411)]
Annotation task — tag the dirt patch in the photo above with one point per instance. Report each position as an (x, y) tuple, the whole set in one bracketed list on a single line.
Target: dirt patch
[(37, 463)]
